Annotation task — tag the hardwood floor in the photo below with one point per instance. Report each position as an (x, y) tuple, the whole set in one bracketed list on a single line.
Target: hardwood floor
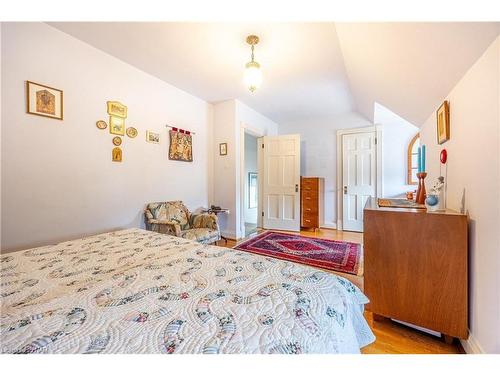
[(392, 337)]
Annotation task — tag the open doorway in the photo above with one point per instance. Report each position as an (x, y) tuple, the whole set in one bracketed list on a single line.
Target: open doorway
[(251, 183)]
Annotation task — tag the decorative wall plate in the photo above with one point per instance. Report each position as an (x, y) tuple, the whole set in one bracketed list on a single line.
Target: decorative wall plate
[(117, 141), (132, 132), (101, 124)]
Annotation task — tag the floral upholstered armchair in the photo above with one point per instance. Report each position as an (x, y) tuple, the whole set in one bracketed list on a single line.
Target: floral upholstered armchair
[(175, 219)]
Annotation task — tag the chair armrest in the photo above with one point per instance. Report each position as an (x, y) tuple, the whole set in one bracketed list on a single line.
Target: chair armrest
[(209, 221)]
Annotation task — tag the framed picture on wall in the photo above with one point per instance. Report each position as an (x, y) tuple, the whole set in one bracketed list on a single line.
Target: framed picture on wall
[(117, 109), (152, 137), (44, 101), (222, 148), (443, 122), (116, 125)]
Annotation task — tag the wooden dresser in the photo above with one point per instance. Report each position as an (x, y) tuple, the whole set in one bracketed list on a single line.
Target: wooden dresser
[(311, 202), (416, 267)]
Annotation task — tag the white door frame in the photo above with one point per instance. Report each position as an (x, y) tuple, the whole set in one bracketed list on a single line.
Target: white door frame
[(245, 128), (379, 188)]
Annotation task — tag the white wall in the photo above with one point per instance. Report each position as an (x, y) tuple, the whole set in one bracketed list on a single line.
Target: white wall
[(58, 180), (318, 145), (225, 165), (397, 134), (473, 178), (230, 118), (250, 214)]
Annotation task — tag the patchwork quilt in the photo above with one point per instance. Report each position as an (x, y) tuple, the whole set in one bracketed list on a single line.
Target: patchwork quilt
[(135, 291)]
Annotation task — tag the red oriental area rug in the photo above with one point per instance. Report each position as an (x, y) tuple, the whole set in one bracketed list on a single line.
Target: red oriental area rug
[(332, 255)]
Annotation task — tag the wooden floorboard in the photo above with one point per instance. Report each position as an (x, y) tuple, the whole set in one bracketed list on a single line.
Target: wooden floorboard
[(392, 337)]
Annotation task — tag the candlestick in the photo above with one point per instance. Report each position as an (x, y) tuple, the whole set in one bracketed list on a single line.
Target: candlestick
[(420, 199)]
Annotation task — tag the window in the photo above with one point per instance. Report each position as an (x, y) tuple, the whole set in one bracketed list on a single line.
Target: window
[(413, 160)]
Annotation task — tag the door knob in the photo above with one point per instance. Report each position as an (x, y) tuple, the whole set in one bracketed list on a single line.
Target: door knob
[(345, 189)]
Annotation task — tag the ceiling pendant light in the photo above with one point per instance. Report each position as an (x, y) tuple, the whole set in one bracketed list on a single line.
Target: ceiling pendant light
[(253, 75)]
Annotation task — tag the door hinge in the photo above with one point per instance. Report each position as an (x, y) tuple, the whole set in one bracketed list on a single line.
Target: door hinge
[(263, 145), (375, 140), (262, 213)]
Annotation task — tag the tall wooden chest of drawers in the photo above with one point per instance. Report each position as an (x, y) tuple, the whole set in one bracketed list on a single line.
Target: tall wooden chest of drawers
[(311, 202), (415, 267)]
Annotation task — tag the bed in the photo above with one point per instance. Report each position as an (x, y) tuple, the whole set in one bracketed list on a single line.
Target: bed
[(135, 291)]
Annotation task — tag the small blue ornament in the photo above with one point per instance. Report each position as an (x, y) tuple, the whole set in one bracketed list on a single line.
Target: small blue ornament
[(431, 200)]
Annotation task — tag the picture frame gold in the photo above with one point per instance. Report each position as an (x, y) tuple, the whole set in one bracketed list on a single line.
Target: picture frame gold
[(117, 141), (117, 109), (152, 137), (116, 155), (101, 124), (131, 132), (222, 149), (116, 125), (443, 122), (43, 100)]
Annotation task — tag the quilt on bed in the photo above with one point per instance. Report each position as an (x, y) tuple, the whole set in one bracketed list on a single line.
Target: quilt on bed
[(135, 291)]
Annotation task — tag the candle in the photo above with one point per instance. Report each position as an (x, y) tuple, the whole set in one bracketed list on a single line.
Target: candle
[(419, 160), (423, 158)]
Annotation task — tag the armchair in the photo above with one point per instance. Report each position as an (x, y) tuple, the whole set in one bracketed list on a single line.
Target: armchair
[(175, 219)]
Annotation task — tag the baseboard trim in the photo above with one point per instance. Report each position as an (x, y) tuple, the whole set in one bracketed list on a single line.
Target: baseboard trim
[(329, 226), (471, 345), (229, 235)]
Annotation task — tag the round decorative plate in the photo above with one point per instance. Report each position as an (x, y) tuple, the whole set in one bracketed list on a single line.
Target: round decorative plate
[(117, 141), (132, 132), (101, 124)]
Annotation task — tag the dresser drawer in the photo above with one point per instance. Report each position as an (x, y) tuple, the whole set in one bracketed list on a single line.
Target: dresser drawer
[(309, 209), (308, 184), (310, 220), (309, 196)]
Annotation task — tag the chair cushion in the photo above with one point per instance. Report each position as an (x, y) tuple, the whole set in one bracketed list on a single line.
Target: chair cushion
[(202, 235), (171, 211)]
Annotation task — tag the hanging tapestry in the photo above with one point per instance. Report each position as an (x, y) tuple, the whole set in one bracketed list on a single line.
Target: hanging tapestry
[(181, 146)]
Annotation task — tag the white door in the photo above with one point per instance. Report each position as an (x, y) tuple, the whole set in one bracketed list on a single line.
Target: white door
[(359, 177), (281, 182)]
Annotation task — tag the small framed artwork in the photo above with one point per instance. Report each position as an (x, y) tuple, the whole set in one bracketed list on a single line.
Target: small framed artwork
[(43, 100), (117, 154), (152, 137), (117, 109), (222, 148), (132, 132), (101, 124), (443, 122), (116, 125)]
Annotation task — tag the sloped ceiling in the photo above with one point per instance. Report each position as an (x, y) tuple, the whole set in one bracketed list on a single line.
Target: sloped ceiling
[(409, 67), (302, 66), (310, 70)]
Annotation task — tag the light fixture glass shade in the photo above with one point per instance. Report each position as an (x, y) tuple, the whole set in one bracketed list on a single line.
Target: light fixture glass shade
[(253, 75)]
